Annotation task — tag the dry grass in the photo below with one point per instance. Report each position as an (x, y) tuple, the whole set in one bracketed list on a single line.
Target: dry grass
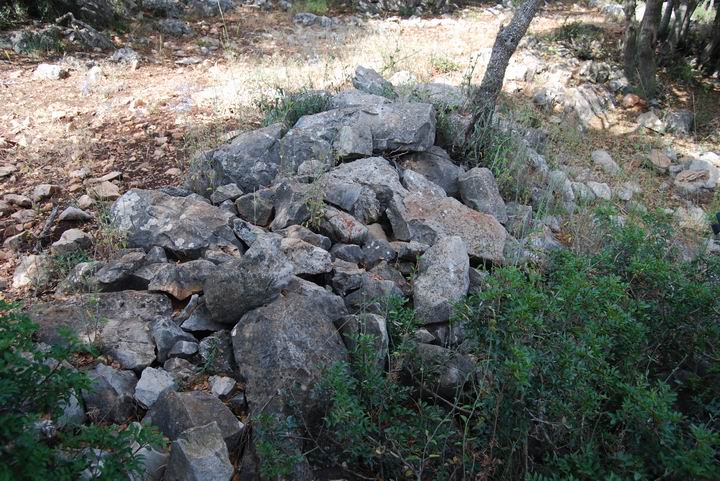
[(146, 121)]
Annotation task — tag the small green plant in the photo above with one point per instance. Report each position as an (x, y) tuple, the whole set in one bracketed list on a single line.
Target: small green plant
[(318, 7), (443, 64), (408, 8), (287, 107), (35, 382), (44, 41), (64, 263), (272, 437), (579, 37), (108, 238), (315, 203)]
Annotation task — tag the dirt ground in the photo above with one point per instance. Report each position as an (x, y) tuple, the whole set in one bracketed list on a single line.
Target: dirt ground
[(193, 92)]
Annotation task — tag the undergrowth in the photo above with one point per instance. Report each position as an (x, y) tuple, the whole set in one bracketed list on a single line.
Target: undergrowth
[(604, 366), (36, 381), (287, 107)]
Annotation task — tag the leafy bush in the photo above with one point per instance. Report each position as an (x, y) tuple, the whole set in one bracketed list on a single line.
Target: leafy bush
[(287, 108), (35, 382), (603, 367)]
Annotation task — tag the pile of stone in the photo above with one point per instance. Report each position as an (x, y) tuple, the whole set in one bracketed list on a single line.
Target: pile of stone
[(280, 249)]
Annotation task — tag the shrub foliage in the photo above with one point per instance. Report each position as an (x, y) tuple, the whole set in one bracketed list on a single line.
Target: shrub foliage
[(602, 367), (36, 381)]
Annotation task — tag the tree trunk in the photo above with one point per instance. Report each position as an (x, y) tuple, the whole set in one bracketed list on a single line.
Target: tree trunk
[(713, 58), (690, 6), (646, 64), (665, 22), (507, 40), (630, 41)]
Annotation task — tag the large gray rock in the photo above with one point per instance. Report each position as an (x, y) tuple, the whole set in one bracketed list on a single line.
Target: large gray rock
[(680, 122), (256, 207), (441, 95), (369, 81), (119, 274), (237, 287), (373, 295), (152, 384), (363, 187), (436, 165), (291, 204), (445, 372), (184, 226), (119, 322), (199, 454), (181, 280), (354, 325), (250, 160), (110, 397), (72, 240), (443, 280), (426, 218), (479, 190), (216, 353), (306, 258), (166, 334), (358, 132), (284, 346), (342, 227), (356, 98), (174, 412)]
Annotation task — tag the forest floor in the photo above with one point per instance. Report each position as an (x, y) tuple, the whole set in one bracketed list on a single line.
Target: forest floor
[(193, 92)]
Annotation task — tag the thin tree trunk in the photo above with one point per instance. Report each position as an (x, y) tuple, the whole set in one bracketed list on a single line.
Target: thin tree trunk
[(630, 41), (646, 63), (713, 58), (507, 40), (685, 27), (665, 22)]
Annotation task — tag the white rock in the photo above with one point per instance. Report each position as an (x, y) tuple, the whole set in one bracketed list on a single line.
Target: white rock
[(221, 385), (152, 384)]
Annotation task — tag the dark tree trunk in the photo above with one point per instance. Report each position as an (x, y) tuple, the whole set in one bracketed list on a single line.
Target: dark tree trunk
[(630, 41), (506, 42), (646, 63)]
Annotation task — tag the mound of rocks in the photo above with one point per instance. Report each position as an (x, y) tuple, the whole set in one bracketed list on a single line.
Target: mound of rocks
[(284, 247)]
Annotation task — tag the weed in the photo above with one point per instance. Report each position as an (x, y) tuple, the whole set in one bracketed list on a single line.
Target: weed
[(271, 437), (318, 7), (579, 37), (64, 263), (287, 107), (315, 203), (108, 239), (443, 64)]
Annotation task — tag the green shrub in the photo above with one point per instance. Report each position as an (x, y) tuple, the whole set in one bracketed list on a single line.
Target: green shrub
[(318, 7), (443, 64), (603, 367), (35, 381), (288, 107)]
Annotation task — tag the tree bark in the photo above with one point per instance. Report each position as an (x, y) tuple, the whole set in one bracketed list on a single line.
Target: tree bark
[(630, 41), (507, 40), (712, 63), (646, 62), (665, 22)]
